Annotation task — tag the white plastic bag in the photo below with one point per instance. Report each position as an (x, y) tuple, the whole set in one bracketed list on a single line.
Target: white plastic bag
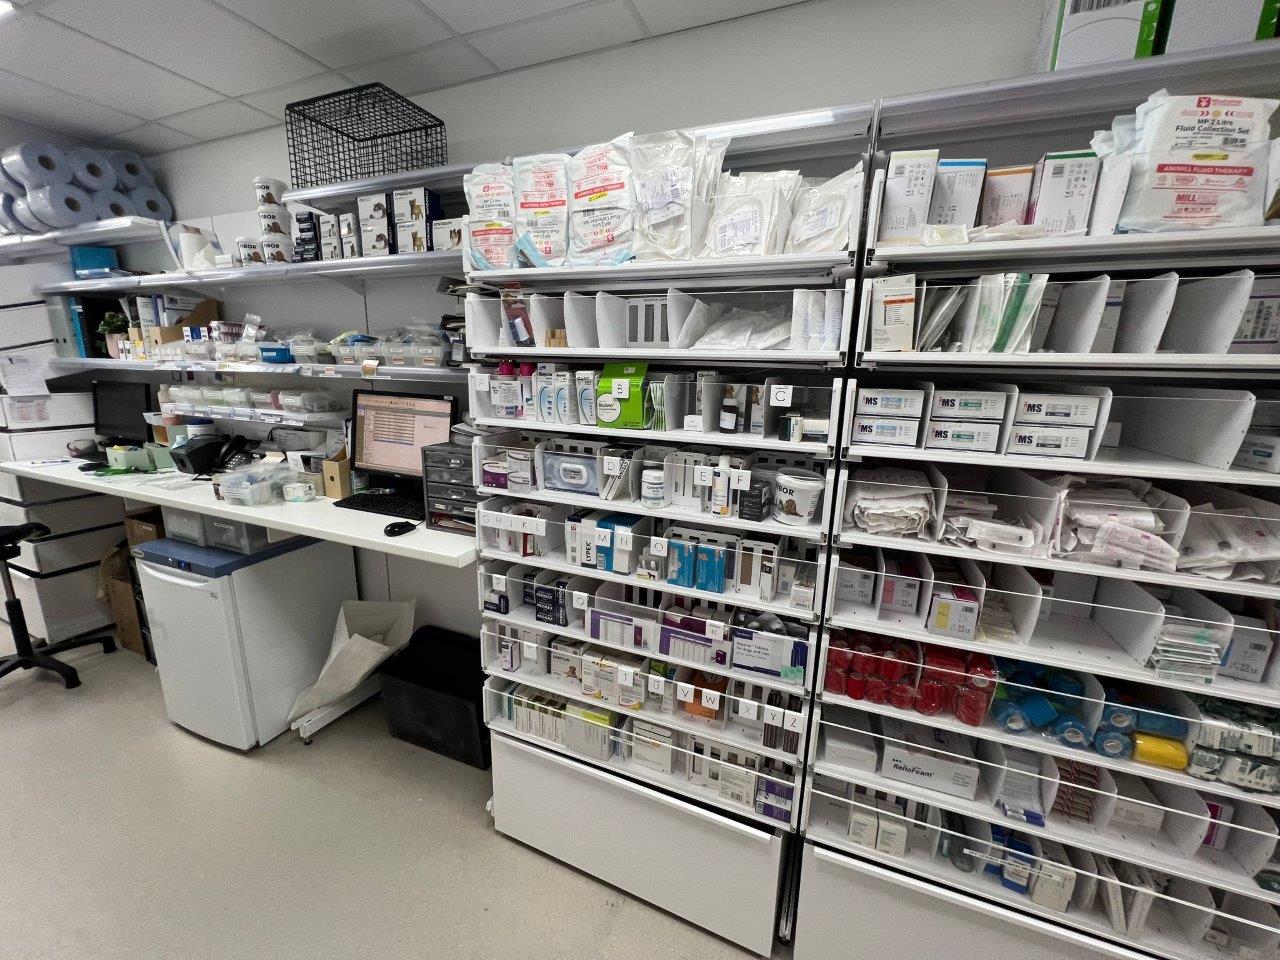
[(823, 214), (491, 215), (542, 205), (601, 203), (663, 167)]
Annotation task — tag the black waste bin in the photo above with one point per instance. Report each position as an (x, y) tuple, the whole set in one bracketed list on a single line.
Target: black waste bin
[(433, 692)]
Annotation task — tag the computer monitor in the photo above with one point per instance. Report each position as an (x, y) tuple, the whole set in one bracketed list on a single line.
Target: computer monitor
[(389, 430), (118, 409)]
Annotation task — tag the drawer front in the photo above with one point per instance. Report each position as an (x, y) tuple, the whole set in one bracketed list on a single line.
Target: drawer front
[(451, 457), (25, 324), (704, 867), (904, 918), (455, 475), (441, 491), (62, 606)]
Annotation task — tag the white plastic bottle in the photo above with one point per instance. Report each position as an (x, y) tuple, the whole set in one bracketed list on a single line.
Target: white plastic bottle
[(720, 499)]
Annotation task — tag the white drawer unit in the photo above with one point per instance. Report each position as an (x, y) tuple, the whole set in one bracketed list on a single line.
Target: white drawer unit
[(18, 489), (46, 412), (53, 554), (61, 605), (40, 444), (28, 323), (712, 870), (66, 516)]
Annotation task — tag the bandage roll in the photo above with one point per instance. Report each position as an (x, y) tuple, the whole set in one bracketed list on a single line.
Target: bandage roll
[(62, 205), (36, 164), (109, 204), (150, 202), (91, 169), (131, 172), (7, 219), (22, 213)]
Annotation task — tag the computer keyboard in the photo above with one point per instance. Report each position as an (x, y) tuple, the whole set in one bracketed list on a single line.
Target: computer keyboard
[(392, 505)]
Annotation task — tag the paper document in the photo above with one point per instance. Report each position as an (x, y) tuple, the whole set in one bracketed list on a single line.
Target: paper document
[(23, 376)]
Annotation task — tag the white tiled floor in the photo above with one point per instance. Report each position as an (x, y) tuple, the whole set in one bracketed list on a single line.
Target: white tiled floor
[(146, 842)]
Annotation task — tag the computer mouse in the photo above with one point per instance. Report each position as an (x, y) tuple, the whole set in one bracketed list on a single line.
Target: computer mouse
[(399, 528)]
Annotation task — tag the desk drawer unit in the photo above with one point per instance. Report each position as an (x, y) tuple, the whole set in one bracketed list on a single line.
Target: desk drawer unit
[(66, 516), (40, 444), (61, 605), (54, 554), (669, 852)]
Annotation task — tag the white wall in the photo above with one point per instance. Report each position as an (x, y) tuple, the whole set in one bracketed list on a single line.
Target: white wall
[(16, 131), (816, 54)]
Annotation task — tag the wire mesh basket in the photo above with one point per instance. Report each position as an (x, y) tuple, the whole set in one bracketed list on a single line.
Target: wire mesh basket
[(356, 134)]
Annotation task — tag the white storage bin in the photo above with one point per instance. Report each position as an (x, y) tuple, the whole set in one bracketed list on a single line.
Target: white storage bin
[(66, 516), (53, 554), (40, 444), (185, 525), (234, 535)]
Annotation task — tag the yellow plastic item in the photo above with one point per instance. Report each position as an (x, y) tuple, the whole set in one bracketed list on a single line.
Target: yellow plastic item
[(1160, 751)]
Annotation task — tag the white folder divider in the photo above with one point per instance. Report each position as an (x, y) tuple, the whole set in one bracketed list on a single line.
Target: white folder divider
[(1263, 941), (1130, 615), (1186, 820), (679, 306), (1207, 313), (1144, 313), (1196, 605), (1191, 424), (1086, 890), (1093, 700), (546, 313), (1017, 493), (1254, 843), (924, 571), (483, 317), (850, 399), (1193, 908), (1022, 594), (611, 320), (992, 769), (1078, 315), (1174, 512), (580, 320), (1104, 800), (504, 579), (678, 392)]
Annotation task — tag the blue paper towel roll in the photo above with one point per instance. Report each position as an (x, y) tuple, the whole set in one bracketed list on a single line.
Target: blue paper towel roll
[(131, 172), (22, 213), (61, 205), (150, 202), (91, 169), (7, 219), (36, 164), (9, 186), (109, 204)]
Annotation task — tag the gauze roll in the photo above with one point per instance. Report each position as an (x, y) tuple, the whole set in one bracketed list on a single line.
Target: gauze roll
[(150, 202), (109, 204), (131, 172), (7, 219), (22, 213), (61, 205), (36, 164), (91, 169)]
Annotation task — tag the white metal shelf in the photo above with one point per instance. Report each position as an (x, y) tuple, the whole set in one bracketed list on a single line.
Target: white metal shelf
[(330, 371), (677, 782), (733, 734), (817, 450), (1118, 461), (1238, 588), (284, 418), (446, 178), (669, 355), (1154, 851), (1072, 643), (524, 618), (737, 270), (557, 561), (810, 532), (1040, 744), (118, 230), (1118, 361)]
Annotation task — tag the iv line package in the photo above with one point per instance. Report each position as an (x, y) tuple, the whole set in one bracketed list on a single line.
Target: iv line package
[(601, 203), (542, 205), (824, 214), (491, 200), (664, 168), (752, 214)]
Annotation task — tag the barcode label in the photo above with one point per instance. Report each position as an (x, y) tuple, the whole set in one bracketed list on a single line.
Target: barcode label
[(1089, 6), (899, 170), (1057, 170), (1235, 143)]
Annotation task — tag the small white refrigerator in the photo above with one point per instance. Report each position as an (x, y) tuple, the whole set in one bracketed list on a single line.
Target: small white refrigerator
[(238, 636)]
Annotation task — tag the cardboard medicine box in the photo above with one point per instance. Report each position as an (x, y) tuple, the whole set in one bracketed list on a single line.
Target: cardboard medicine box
[(621, 399), (934, 759)]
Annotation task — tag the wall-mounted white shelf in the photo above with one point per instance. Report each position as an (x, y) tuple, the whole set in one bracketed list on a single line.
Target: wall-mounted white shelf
[(328, 371), (283, 418), (763, 270), (103, 233), (748, 440), (341, 196), (668, 355)]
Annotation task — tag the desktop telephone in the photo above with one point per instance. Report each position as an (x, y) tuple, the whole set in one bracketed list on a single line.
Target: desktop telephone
[(206, 454)]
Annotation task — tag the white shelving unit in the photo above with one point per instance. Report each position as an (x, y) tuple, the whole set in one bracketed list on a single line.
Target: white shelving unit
[(119, 230)]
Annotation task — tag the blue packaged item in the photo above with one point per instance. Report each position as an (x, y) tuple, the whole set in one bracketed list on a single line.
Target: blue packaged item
[(1117, 716), (1161, 724), (681, 562), (1113, 743), (1064, 683), (999, 838), (604, 553), (709, 568), (1018, 860), (1038, 708), (1072, 731), (1009, 716)]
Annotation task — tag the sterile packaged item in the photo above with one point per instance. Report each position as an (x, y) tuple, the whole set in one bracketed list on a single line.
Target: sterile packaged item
[(491, 230), (1064, 409), (586, 384), (1260, 450), (850, 744), (1062, 192), (663, 171), (856, 584), (1052, 441), (957, 188), (978, 435), (651, 746), (1136, 806), (542, 206), (864, 821), (1249, 651), (893, 313), (1259, 330), (751, 215), (908, 188), (891, 838), (900, 587), (955, 404), (1006, 195), (934, 759), (823, 215), (953, 611), (889, 402), (891, 430), (601, 203)]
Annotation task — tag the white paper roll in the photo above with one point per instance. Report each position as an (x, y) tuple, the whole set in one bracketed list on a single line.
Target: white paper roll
[(196, 251), (150, 202), (22, 213), (91, 169), (36, 164), (109, 204), (131, 172), (7, 219), (62, 205)]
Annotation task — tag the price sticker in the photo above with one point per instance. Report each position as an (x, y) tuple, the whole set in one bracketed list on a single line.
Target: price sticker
[(500, 583), (792, 721), (715, 629), (621, 387), (481, 381), (613, 466), (780, 395), (604, 537), (658, 546), (773, 716), (657, 685), (626, 676), (711, 699), (740, 479), (684, 692), (693, 422), (580, 600), (624, 540), (329, 372), (747, 709), (702, 476), (530, 650)]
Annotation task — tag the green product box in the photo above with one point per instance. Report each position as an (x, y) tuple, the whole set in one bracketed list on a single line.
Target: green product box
[(621, 396)]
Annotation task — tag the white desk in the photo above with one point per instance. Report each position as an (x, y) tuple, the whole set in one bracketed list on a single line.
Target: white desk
[(318, 518)]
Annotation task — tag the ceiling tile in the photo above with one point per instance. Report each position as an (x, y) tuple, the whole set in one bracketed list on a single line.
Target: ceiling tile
[(152, 138), (466, 16), (31, 102), (274, 101), (191, 37), (575, 30), (667, 16), (224, 119), (439, 66), (340, 32), (63, 58)]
